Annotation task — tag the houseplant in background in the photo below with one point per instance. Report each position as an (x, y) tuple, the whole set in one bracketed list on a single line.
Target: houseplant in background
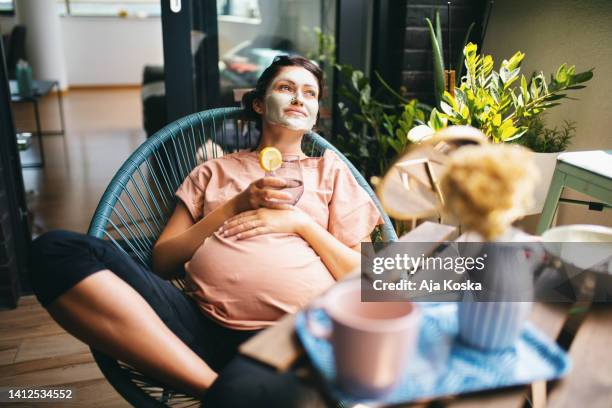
[(324, 54), (500, 103), (507, 107), (547, 143), (375, 124), (441, 76)]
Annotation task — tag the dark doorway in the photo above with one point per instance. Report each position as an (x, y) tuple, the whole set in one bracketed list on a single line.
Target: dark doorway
[(14, 228)]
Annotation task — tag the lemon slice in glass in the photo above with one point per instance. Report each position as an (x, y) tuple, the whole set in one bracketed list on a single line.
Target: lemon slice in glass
[(270, 159)]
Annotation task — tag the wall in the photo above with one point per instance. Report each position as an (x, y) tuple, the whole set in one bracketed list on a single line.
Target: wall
[(417, 64), (110, 51), (44, 39), (113, 51), (106, 51), (551, 32)]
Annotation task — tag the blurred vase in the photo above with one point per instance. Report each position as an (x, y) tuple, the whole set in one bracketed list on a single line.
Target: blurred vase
[(494, 318), (492, 325)]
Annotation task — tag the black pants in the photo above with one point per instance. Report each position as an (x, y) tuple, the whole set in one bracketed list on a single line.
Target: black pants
[(61, 259)]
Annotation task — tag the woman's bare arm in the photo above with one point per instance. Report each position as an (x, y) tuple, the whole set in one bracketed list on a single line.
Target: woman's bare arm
[(182, 236), (337, 257)]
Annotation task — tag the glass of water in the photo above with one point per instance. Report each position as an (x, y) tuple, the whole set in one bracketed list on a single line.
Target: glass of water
[(291, 171)]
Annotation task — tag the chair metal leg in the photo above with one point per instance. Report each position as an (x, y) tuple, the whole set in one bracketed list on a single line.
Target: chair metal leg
[(552, 201)]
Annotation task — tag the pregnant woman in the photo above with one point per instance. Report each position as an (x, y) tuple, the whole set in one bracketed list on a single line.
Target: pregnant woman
[(248, 258)]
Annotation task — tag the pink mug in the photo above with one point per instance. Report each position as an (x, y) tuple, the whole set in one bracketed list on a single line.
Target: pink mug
[(372, 341)]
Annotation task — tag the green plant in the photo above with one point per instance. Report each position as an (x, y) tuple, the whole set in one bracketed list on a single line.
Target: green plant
[(438, 58), (373, 136), (325, 54), (437, 48), (492, 102), (541, 139)]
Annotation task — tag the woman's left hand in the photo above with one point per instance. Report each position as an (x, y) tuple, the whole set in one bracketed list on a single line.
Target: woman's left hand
[(264, 221)]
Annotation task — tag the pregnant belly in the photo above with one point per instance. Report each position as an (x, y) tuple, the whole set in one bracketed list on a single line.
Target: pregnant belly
[(251, 283)]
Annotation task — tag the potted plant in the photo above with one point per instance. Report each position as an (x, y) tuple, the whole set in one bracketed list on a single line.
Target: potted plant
[(375, 124), (546, 143), (500, 103), (507, 107)]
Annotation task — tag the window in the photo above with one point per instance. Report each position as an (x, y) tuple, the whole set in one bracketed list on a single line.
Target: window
[(239, 8), (110, 8), (7, 7)]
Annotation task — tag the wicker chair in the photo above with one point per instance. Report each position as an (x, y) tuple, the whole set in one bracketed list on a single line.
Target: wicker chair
[(140, 198)]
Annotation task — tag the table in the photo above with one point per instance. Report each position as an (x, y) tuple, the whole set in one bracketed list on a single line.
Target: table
[(588, 172), (40, 89), (588, 384)]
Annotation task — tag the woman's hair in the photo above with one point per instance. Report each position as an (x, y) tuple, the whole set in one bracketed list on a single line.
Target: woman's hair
[(489, 187), (268, 76)]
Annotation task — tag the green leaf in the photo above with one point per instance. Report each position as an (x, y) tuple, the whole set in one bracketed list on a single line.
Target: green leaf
[(521, 132), (514, 62), (438, 64), (356, 78), (438, 28), (360, 118), (461, 57), (365, 95), (535, 88), (437, 121), (396, 145), (446, 108), (465, 112), (504, 74), (524, 89), (561, 76), (470, 49), (508, 132), (497, 120)]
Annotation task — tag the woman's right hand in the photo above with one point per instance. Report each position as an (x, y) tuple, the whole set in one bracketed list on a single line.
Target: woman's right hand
[(264, 192)]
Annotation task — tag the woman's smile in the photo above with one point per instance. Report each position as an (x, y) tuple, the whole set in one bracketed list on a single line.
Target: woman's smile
[(296, 112)]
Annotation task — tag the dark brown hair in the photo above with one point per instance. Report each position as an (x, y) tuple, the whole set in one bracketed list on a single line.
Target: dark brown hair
[(268, 76)]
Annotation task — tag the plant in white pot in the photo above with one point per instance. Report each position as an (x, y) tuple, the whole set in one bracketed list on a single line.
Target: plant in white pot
[(547, 143)]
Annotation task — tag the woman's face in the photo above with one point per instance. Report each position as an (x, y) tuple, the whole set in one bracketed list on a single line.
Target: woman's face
[(292, 99)]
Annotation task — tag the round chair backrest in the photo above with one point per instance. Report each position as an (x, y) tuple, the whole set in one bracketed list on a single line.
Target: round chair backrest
[(140, 198)]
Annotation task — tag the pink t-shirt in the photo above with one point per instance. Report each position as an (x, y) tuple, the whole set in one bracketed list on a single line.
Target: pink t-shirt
[(249, 284)]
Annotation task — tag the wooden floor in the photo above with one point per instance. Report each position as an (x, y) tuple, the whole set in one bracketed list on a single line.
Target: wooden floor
[(35, 351), (102, 128)]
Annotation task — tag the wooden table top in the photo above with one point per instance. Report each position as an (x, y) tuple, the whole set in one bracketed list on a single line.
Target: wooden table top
[(585, 330)]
